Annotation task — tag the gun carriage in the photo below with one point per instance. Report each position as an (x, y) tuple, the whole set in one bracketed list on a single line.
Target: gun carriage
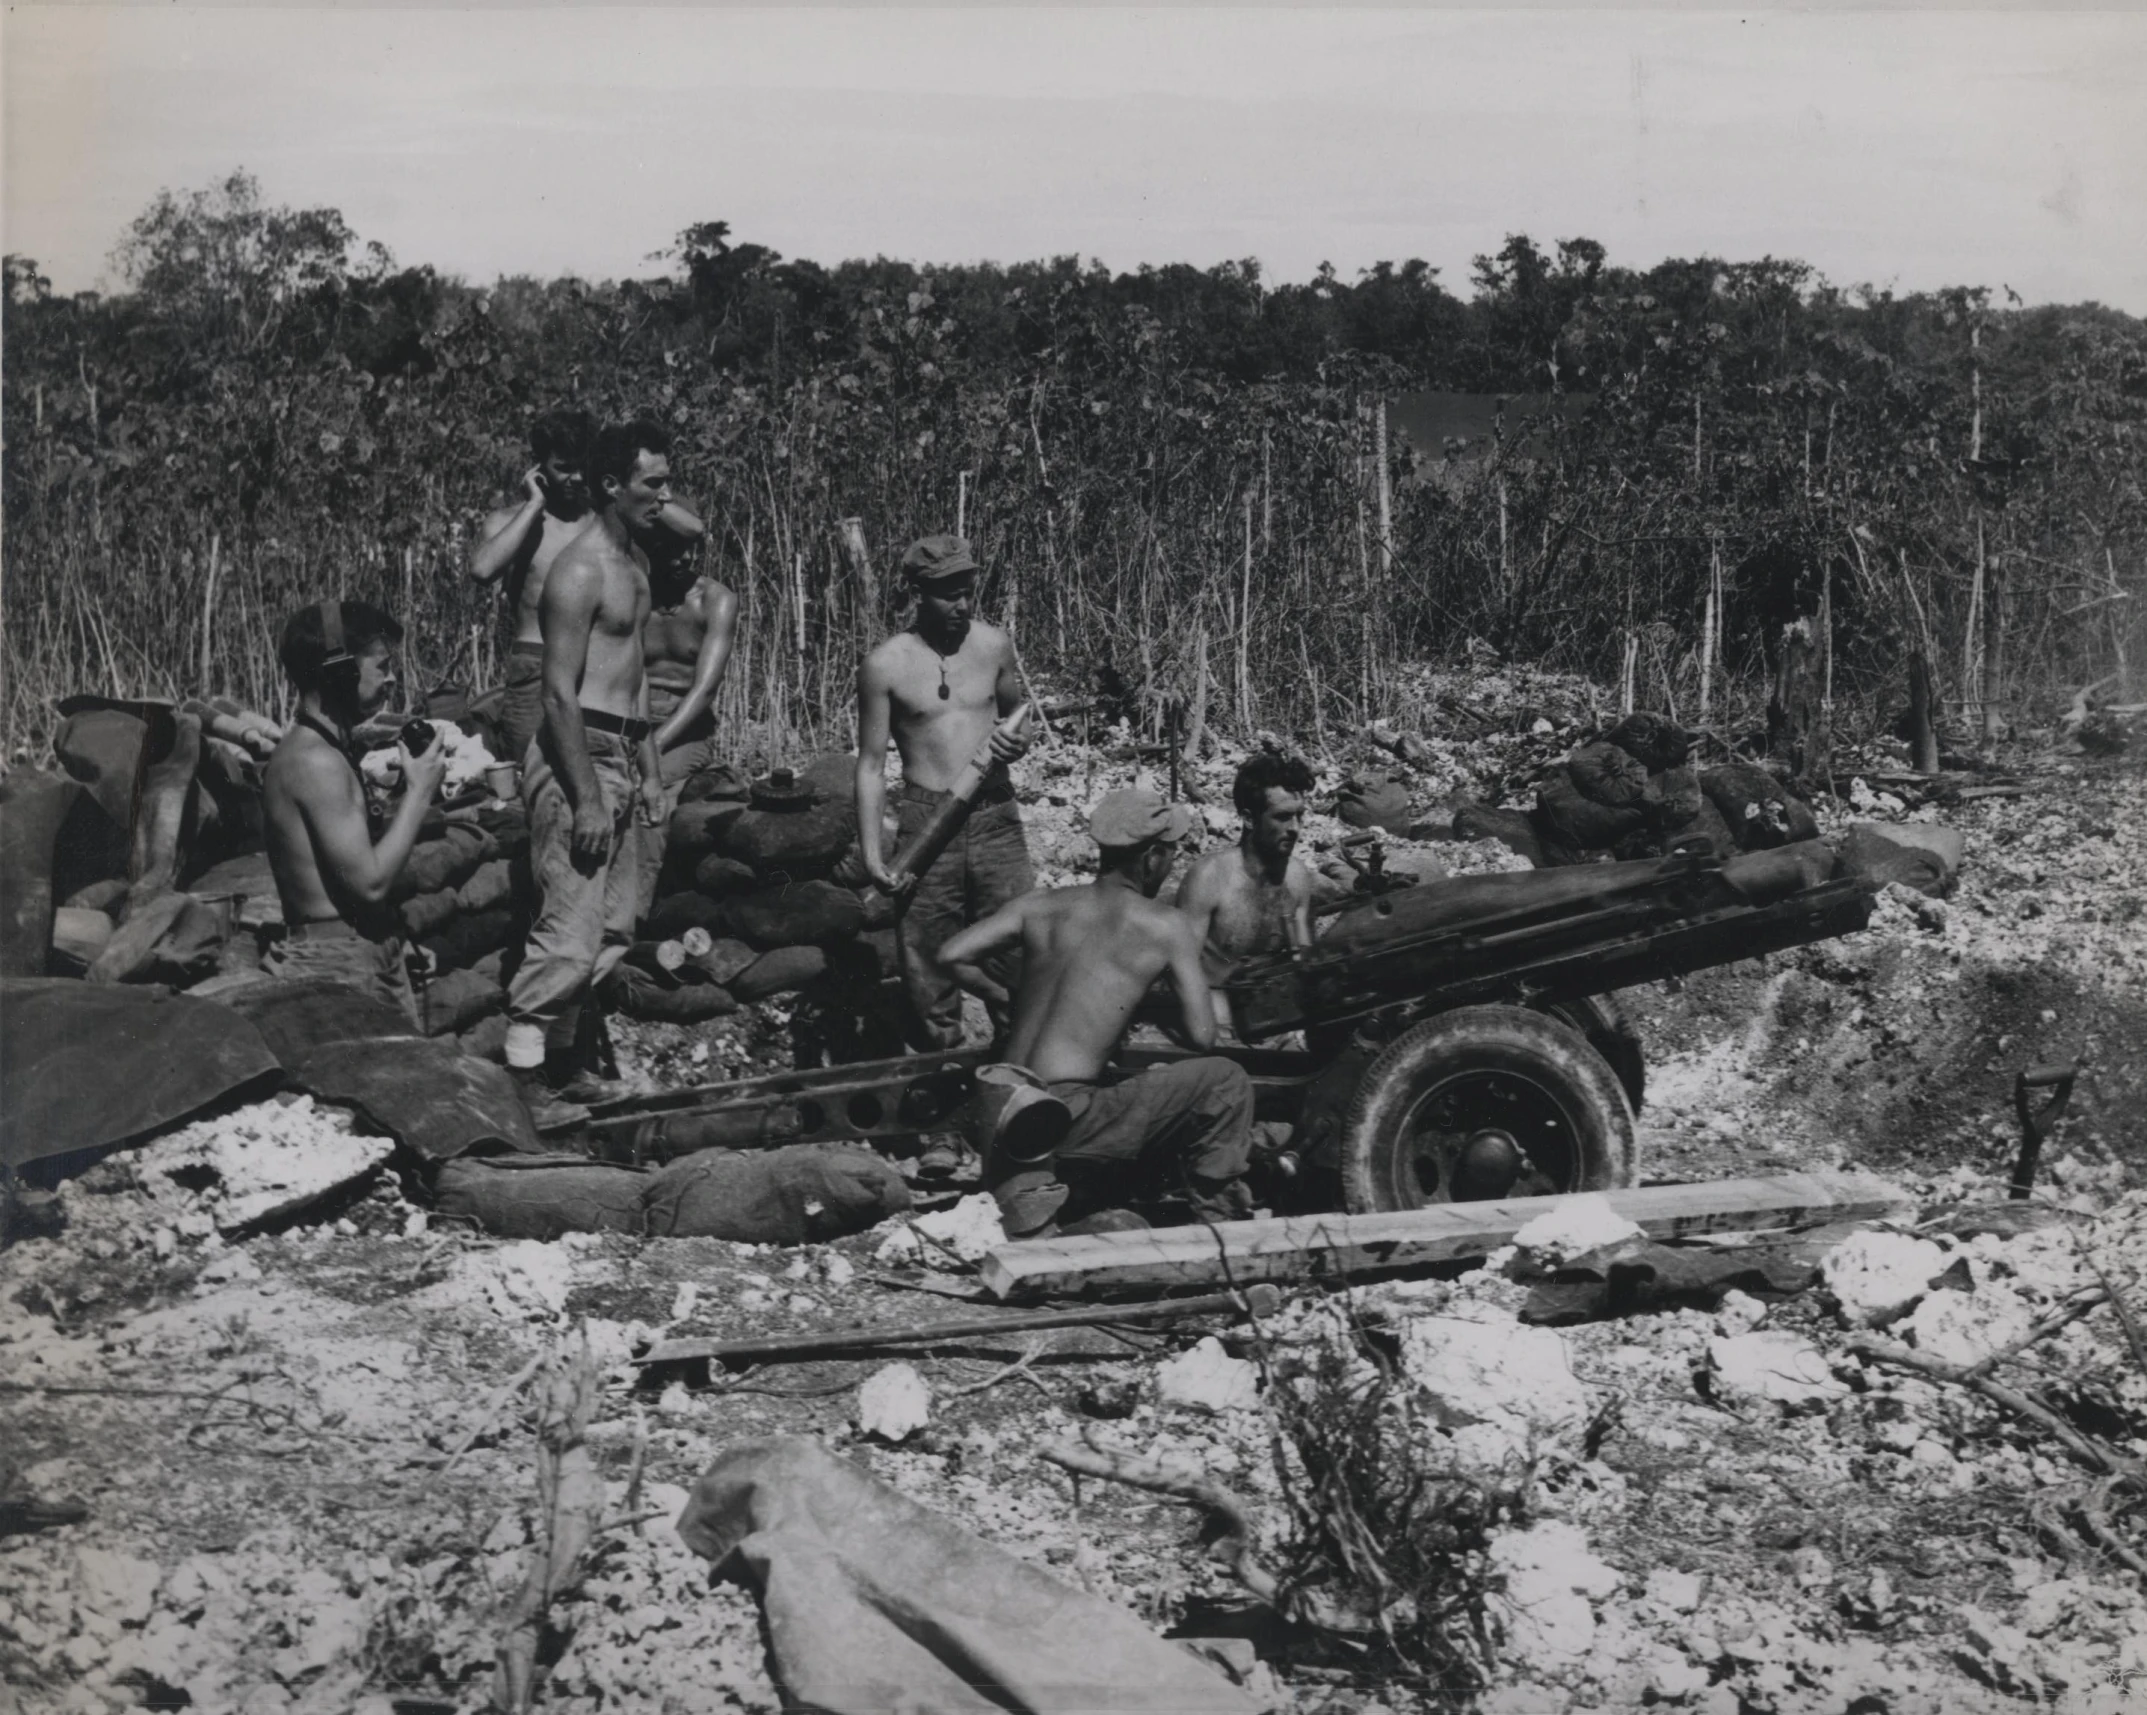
[(1450, 1041)]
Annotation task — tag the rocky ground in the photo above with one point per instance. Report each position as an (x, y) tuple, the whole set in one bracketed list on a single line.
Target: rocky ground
[(302, 1432)]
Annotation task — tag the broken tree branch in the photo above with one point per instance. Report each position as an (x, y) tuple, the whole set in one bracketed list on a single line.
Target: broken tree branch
[(2088, 1452), (1233, 1547)]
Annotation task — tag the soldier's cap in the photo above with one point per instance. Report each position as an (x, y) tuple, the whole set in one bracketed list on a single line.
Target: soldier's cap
[(934, 557), (1134, 815)]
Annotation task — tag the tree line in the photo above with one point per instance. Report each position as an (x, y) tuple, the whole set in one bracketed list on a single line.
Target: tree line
[(1184, 481)]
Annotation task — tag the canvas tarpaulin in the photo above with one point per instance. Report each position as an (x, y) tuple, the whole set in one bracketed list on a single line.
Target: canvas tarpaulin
[(875, 1605), (423, 1091), (85, 1066)]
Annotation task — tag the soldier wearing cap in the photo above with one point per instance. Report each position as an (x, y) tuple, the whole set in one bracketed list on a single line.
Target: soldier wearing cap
[(1089, 955), (938, 690)]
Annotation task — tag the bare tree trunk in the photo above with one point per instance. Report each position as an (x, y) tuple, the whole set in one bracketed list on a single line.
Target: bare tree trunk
[(1993, 648), (1923, 734), (1793, 710), (852, 532)]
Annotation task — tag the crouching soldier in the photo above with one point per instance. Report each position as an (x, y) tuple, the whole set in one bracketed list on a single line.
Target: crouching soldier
[(332, 875), (1089, 955)]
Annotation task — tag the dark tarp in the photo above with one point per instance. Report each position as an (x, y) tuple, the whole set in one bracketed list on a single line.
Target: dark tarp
[(424, 1092), (295, 1017), (84, 1066)]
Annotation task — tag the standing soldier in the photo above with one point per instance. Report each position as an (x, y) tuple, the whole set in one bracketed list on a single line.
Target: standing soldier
[(686, 646), (592, 770), (939, 689), (519, 544)]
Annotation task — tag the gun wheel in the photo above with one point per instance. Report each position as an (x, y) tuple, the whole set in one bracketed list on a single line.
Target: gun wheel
[(1484, 1102)]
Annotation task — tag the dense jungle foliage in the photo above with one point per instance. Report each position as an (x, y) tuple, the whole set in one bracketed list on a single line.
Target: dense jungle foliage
[(1179, 476)]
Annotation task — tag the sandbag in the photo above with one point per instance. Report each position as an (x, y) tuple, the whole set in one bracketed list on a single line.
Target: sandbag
[(789, 843), (295, 1015), (443, 863), (674, 914), (87, 1066), (1760, 878), (33, 804), (718, 783), (508, 826), (78, 936), (876, 909), (871, 1603), (490, 884), (470, 937), (102, 748), (1655, 741), (166, 938), (1760, 811), (455, 1000), (1570, 825), (166, 815), (1869, 855), (487, 1039), (831, 776), (695, 829), (1375, 801), (247, 879), (428, 913), (724, 959), (641, 996), (1604, 774), (783, 971), (106, 896), (425, 1092), (718, 876), (1511, 828), (800, 1194), (805, 913), (539, 1197)]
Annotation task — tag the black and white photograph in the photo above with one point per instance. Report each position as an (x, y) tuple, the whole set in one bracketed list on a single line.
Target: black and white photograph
[(1073, 860)]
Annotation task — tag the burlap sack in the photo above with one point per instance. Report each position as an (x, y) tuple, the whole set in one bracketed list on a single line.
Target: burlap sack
[(806, 913), (803, 1194)]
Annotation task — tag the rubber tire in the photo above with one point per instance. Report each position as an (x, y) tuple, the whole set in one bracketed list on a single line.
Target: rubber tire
[(1474, 1039), (1603, 1021)]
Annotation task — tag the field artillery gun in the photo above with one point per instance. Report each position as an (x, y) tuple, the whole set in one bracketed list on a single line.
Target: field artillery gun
[(1453, 1041)]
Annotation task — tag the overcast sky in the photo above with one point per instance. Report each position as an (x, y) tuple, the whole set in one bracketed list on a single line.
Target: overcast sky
[(1910, 149)]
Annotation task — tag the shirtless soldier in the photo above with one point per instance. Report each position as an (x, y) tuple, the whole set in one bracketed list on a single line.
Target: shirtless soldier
[(1089, 955), (592, 769), (686, 645), (331, 874), (939, 689), (519, 543), (1253, 897)]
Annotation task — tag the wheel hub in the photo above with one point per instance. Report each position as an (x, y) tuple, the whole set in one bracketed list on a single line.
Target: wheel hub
[(1489, 1164)]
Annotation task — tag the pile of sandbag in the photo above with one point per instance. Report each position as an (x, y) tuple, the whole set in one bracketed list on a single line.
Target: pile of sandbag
[(762, 893), (1633, 792)]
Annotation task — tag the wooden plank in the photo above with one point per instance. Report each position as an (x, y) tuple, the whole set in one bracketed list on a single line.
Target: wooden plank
[(1330, 1246)]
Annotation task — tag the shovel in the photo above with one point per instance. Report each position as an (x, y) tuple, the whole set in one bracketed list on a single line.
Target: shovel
[(2037, 1123)]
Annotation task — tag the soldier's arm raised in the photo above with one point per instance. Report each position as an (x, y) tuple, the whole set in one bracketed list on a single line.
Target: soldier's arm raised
[(508, 534)]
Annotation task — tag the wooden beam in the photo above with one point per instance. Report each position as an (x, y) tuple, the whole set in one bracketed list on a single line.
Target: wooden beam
[(1261, 1301), (1311, 1247)]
